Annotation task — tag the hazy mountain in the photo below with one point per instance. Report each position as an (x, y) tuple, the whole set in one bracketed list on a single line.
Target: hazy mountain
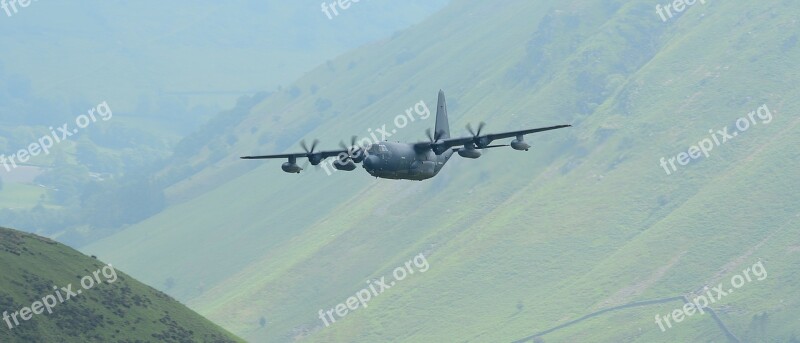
[(156, 57), (165, 68), (518, 243)]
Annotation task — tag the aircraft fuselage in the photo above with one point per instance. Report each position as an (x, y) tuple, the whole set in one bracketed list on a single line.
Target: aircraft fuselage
[(399, 161)]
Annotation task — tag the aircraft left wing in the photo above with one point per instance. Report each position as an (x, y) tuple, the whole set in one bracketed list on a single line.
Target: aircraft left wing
[(524, 132), (483, 141)]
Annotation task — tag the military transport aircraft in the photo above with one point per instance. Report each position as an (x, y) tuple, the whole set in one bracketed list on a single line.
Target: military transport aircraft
[(408, 161)]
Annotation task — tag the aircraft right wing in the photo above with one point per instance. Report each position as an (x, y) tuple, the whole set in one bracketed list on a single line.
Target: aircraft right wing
[(322, 154), (314, 156)]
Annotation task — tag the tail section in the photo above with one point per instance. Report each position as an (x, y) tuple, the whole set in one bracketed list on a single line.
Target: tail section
[(442, 123)]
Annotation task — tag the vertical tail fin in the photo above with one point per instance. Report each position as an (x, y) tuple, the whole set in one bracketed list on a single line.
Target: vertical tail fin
[(442, 123)]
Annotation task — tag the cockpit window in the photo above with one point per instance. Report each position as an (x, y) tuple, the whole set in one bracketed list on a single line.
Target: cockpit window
[(377, 148)]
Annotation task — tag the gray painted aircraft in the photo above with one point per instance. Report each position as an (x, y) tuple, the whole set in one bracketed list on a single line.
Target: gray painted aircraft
[(409, 161)]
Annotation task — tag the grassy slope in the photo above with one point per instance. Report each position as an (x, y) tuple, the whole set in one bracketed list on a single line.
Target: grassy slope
[(584, 221), (125, 310)]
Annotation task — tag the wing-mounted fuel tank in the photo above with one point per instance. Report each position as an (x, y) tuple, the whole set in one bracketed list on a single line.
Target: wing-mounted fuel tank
[(346, 165), (291, 167), (519, 144), (469, 152)]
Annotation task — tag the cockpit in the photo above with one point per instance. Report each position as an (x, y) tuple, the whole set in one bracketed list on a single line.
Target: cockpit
[(378, 149)]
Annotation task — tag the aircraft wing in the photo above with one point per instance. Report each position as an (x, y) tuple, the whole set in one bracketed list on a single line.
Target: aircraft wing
[(456, 149), (445, 144), (321, 154), (524, 132)]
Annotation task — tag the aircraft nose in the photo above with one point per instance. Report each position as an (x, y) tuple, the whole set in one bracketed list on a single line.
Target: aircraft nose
[(371, 162)]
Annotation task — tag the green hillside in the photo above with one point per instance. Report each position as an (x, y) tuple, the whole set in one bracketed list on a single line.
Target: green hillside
[(113, 308), (518, 243)]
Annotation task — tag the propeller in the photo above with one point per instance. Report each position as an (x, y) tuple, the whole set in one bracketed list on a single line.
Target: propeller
[(354, 152), (480, 142), (480, 128), (315, 159), (313, 146), (436, 147), (434, 138)]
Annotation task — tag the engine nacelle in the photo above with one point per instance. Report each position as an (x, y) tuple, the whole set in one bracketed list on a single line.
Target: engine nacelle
[(519, 144), (359, 156), (315, 159), (291, 168), (439, 149), (469, 153), (348, 165)]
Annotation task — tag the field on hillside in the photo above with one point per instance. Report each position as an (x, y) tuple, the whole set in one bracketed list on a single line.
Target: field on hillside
[(520, 246)]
